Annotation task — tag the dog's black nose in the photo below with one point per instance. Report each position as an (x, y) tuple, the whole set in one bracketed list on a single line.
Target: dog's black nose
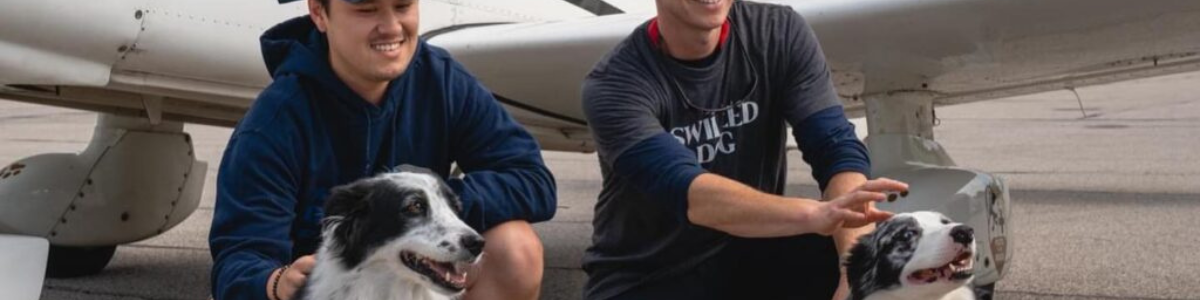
[(962, 234), (472, 243)]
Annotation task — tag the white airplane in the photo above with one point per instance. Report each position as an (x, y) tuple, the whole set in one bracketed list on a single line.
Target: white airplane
[(149, 66)]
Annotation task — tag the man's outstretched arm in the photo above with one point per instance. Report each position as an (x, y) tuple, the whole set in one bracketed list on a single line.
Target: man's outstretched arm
[(737, 209), (662, 167)]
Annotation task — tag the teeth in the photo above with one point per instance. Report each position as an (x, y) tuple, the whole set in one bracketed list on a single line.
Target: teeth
[(386, 47)]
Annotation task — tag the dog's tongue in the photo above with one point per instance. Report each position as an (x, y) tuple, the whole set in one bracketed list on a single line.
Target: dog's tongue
[(458, 279), (925, 275), (461, 269), (932, 275)]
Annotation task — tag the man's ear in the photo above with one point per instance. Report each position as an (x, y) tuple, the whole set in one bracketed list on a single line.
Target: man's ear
[(319, 14)]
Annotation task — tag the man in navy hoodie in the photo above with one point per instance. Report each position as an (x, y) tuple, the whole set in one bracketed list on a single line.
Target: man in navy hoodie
[(356, 93)]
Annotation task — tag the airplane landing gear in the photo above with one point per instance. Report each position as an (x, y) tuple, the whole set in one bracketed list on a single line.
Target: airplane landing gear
[(68, 262), (135, 180), (902, 147)]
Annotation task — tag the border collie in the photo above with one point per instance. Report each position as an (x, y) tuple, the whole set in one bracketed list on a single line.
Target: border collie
[(920, 255), (393, 236)]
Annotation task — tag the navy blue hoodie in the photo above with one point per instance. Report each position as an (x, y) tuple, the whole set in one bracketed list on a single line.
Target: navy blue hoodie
[(308, 132)]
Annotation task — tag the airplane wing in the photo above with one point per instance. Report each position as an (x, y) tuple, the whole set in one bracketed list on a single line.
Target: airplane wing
[(960, 50), (149, 65), (199, 62)]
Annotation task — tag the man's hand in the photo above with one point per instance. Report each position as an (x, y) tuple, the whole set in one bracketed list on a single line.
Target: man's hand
[(843, 290), (291, 279), (848, 210), (872, 215)]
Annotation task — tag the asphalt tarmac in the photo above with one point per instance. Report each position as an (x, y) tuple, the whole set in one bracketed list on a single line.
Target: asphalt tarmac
[(1105, 206)]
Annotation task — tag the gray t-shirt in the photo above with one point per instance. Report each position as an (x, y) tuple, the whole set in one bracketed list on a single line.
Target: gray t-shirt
[(730, 110)]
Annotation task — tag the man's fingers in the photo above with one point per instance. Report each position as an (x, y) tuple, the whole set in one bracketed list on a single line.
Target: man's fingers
[(304, 264), (857, 199), (878, 215), (294, 277), (884, 185), (850, 216)]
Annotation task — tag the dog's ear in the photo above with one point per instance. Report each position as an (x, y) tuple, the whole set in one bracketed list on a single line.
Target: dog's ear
[(860, 266), (348, 199), (407, 168), (452, 197), (415, 169), (345, 208), (444, 188)]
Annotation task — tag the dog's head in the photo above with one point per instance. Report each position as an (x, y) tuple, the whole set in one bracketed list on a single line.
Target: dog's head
[(406, 221), (919, 255)]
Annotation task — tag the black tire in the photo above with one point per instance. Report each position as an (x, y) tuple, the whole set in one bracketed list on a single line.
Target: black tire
[(985, 292), (68, 262)]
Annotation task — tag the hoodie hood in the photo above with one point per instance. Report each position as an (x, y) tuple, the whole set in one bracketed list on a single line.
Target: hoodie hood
[(296, 47)]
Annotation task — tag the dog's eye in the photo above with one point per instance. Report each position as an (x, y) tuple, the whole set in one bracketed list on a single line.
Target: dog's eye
[(907, 234), (415, 208)]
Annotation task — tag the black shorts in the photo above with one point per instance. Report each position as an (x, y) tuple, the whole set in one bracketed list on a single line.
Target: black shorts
[(801, 267)]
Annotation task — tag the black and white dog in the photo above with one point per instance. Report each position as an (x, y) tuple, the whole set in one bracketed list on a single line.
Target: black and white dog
[(393, 236), (920, 255)]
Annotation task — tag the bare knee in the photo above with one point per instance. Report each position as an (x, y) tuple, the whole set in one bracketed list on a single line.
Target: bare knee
[(513, 260)]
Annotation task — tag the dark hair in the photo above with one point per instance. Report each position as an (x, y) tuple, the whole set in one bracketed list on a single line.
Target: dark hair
[(324, 5)]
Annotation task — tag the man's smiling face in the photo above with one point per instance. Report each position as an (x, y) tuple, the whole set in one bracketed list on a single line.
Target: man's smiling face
[(695, 14), (371, 41)]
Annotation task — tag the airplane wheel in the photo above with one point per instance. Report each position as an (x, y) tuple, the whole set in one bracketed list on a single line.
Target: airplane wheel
[(67, 262), (985, 292)]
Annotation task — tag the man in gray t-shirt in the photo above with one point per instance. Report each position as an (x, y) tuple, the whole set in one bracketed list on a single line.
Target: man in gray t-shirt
[(690, 115)]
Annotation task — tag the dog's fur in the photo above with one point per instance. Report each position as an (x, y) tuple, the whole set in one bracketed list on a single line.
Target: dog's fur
[(921, 255), (393, 236)]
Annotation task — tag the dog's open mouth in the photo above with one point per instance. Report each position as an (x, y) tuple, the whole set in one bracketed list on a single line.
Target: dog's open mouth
[(449, 275), (956, 270)]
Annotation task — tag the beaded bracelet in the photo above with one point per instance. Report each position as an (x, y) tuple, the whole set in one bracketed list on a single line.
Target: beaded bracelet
[(275, 286)]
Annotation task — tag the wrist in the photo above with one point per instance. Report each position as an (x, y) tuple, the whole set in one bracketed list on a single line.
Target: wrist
[(277, 275), (843, 183), (805, 215)]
